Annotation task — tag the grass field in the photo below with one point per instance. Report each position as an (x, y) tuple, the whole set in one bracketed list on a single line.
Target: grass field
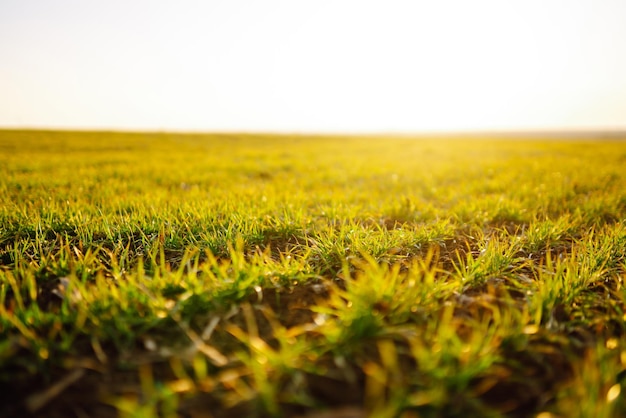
[(146, 275)]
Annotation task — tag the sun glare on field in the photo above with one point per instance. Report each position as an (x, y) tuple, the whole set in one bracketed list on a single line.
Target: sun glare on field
[(314, 66)]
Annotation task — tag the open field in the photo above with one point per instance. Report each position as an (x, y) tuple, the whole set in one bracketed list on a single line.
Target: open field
[(262, 276)]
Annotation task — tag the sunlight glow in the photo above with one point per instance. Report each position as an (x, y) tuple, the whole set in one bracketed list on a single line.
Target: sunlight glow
[(314, 66)]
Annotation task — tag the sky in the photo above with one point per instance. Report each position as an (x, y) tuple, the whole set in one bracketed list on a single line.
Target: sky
[(313, 66)]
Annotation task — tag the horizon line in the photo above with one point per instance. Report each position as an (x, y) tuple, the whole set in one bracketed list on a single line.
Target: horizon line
[(525, 132)]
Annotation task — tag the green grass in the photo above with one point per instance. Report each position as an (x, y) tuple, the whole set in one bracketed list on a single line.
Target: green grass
[(272, 276)]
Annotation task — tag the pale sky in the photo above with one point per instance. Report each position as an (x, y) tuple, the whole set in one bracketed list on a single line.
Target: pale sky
[(313, 66)]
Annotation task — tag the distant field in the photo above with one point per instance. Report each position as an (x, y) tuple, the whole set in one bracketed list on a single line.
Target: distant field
[(146, 275)]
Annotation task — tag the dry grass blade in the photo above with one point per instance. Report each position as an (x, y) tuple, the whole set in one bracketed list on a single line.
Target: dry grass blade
[(36, 401)]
